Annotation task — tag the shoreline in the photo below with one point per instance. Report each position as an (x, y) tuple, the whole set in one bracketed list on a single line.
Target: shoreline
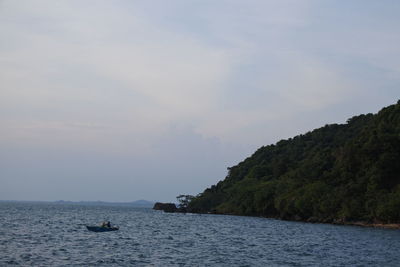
[(374, 225), (395, 226), (171, 208)]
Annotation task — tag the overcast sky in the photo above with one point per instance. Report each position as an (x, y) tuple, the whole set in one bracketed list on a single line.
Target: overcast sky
[(125, 100)]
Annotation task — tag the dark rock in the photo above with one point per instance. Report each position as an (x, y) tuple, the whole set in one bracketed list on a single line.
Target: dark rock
[(313, 220), (327, 220), (339, 221), (167, 207), (182, 210), (297, 218)]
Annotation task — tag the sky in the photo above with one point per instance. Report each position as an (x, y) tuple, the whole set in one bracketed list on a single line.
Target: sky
[(149, 99)]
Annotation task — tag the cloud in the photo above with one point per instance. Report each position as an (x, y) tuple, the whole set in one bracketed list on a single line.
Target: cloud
[(163, 74), (105, 82), (123, 64)]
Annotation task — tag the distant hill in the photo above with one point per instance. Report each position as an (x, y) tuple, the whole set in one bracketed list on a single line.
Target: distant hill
[(142, 203), (137, 203), (337, 173)]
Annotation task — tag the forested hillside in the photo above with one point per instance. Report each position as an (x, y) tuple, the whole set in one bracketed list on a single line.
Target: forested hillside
[(337, 173)]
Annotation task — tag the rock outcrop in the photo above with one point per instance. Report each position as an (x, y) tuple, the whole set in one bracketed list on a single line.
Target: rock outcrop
[(167, 207)]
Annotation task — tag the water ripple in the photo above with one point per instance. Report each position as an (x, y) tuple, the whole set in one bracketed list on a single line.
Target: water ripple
[(55, 235)]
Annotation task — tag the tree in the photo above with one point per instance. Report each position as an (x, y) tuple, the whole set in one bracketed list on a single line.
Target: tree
[(343, 171), (184, 201)]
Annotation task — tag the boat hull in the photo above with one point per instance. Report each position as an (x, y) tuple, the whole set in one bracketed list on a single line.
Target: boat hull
[(101, 229)]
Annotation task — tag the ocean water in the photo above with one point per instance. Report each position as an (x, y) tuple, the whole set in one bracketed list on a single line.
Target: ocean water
[(55, 235)]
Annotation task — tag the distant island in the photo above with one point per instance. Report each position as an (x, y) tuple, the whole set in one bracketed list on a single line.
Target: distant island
[(340, 173), (137, 204)]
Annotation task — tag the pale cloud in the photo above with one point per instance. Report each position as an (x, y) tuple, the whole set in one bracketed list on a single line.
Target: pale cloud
[(174, 91), (179, 75), (176, 77)]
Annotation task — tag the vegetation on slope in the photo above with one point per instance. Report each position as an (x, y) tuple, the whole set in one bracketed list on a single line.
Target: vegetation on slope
[(340, 172)]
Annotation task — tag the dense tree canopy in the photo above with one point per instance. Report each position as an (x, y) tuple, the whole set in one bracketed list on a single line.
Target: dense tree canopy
[(340, 172)]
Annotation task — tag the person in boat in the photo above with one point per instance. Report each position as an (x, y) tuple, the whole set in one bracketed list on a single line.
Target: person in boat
[(106, 224)]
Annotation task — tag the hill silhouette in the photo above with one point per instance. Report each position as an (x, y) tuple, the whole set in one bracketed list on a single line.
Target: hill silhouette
[(338, 173)]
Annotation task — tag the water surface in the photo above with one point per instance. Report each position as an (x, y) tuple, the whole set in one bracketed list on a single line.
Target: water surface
[(41, 234)]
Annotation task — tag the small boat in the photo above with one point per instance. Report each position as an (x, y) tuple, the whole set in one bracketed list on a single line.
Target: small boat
[(101, 228), (104, 227)]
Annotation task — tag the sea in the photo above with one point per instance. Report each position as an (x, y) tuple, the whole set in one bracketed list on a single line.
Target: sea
[(49, 234)]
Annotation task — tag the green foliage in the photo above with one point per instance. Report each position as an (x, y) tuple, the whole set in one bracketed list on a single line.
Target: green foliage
[(337, 172), (184, 200)]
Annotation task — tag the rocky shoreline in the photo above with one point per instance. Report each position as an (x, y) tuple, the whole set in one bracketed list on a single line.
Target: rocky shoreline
[(346, 222), (171, 208), (168, 207), (375, 225), (342, 222)]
